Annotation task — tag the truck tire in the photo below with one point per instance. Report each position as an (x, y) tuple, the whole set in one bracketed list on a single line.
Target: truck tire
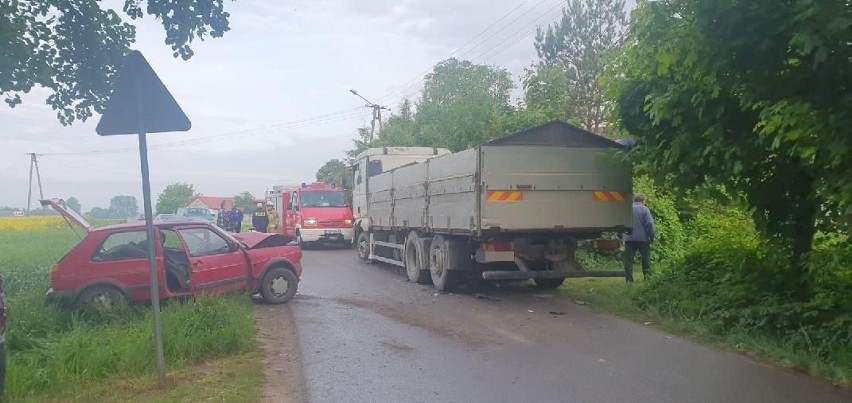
[(548, 283), (363, 246), (439, 263), (416, 259)]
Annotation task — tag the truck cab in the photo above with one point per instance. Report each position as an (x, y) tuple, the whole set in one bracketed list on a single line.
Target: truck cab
[(313, 213)]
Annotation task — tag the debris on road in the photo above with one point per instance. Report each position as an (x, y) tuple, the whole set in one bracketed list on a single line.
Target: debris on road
[(480, 296), (557, 313), (648, 323), (530, 311), (578, 302)]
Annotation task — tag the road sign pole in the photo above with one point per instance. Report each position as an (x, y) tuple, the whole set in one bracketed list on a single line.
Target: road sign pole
[(141, 104), (152, 257)]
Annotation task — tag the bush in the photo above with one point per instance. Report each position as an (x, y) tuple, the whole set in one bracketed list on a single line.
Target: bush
[(734, 282)]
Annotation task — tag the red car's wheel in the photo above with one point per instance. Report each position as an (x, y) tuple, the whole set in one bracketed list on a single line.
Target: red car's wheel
[(101, 297), (278, 285)]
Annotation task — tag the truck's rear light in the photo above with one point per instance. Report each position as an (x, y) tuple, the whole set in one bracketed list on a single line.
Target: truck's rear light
[(606, 244)]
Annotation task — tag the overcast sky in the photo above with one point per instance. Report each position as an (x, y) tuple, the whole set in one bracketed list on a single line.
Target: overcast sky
[(269, 102)]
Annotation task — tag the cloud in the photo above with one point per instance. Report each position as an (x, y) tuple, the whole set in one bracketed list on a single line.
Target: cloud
[(249, 93)]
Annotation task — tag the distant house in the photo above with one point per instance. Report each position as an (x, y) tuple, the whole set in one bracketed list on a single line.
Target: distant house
[(210, 202)]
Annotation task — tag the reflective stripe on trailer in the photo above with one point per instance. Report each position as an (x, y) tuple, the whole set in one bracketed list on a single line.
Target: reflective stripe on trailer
[(504, 196), (608, 196)]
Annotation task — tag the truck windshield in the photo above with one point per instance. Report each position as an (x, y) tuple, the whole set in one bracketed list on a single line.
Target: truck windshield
[(323, 199)]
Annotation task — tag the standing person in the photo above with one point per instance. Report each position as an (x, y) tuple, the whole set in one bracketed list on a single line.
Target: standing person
[(640, 238), (260, 220), (222, 219), (236, 217), (273, 218)]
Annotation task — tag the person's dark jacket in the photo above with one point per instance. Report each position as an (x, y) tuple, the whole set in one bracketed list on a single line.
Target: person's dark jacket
[(260, 220), (236, 217)]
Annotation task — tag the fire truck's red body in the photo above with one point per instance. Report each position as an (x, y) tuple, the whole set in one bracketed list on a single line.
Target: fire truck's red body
[(313, 213)]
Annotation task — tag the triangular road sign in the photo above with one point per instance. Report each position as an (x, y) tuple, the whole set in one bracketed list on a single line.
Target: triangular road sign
[(140, 102)]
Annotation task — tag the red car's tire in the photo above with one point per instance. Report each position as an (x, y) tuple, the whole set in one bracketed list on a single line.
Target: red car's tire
[(278, 285), (101, 297)]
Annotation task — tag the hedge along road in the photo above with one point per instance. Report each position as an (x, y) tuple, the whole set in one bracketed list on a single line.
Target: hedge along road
[(368, 335)]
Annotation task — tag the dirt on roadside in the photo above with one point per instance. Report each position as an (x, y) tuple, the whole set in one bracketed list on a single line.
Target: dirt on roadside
[(283, 382)]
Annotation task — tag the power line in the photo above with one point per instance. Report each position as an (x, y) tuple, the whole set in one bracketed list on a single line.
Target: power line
[(546, 16), (262, 130), (412, 82)]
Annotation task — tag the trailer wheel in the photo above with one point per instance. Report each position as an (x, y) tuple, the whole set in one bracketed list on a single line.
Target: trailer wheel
[(439, 263), (548, 283), (363, 245), (416, 259)]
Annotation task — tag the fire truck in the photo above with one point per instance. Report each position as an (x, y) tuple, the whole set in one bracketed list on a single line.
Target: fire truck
[(313, 213)]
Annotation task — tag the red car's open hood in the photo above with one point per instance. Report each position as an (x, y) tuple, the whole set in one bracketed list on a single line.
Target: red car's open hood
[(69, 214), (254, 240)]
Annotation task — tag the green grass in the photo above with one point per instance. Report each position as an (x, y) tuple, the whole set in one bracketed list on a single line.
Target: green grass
[(50, 350), (232, 379), (614, 296)]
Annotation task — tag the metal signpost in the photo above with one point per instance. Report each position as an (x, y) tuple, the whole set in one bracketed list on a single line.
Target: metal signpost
[(141, 104)]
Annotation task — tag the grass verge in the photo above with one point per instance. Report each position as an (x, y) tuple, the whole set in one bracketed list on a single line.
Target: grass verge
[(51, 351), (613, 296), (233, 379)]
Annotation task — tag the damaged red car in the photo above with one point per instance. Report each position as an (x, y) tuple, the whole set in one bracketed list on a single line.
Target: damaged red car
[(110, 264)]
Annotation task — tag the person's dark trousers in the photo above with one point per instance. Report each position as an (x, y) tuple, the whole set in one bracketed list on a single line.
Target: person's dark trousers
[(630, 248), (262, 228)]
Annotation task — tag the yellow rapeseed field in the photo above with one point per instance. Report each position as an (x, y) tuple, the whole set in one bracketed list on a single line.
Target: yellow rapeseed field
[(31, 223)]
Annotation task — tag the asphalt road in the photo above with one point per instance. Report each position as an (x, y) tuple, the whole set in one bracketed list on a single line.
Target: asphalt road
[(368, 335)]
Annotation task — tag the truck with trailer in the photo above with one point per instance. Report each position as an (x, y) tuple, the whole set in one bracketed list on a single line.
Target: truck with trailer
[(513, 208), (313, 213)]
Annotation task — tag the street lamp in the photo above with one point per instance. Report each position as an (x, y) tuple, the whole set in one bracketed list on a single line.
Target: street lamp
[(377, 113)]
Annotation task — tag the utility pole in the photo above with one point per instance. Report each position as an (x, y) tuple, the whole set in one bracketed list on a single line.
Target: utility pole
[(377, 114), (33, 163)]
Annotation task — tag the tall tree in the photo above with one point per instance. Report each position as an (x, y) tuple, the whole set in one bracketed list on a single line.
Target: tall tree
[(244, 201), (123, 207), (459, 102), (99, 213), (399, 130), (74, 204), (579, 44), (753, 95), (174, 196), (360, 144), (73, 47), (334, 171), (546, 92)]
